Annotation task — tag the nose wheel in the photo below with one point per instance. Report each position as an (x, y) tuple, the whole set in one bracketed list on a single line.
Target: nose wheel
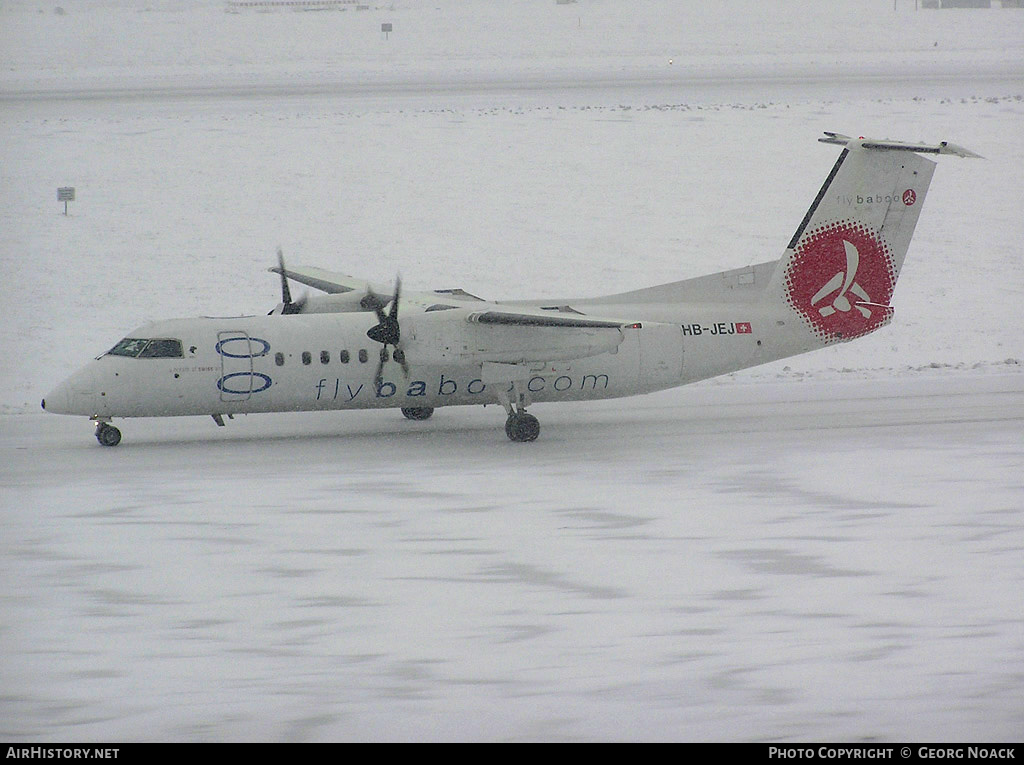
[(107, 434)]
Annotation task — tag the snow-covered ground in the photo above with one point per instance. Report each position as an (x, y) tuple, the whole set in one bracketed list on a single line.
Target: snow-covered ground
[(770, 561), (828, 547)]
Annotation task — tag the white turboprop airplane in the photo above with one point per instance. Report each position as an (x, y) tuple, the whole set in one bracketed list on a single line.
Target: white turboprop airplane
[(352, 349)]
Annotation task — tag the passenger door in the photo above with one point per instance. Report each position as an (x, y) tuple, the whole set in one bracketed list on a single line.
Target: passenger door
[(236, 373)]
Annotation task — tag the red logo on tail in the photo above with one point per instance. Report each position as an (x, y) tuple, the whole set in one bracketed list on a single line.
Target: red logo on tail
[(841, 280), (909, 197)]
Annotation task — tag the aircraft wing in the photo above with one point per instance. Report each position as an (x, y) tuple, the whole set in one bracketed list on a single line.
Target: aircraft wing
[(520, 319), (335, 283), (321, 279), (506, 335)]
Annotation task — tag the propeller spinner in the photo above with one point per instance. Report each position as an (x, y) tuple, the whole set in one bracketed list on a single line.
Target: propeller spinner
[(387, 331)]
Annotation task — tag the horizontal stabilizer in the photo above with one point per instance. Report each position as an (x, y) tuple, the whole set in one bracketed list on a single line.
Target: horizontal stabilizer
[(943, 147)]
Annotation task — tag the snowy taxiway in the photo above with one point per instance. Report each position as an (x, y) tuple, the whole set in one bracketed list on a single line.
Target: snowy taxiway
[(810, 560), (825, 548)]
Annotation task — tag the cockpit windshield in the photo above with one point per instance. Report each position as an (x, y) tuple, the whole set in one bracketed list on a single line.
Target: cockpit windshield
[(145, 348)]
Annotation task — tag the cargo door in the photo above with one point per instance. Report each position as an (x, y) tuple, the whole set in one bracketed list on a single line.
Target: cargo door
[(661, 356)]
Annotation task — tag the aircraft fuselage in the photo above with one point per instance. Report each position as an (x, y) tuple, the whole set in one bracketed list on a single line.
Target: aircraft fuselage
[(326, 361)]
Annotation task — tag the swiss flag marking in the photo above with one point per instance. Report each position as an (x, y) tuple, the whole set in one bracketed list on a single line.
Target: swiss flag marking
[(743, 328)]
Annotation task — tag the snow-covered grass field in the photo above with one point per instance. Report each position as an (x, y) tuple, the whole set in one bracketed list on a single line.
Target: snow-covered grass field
[(824, 548)]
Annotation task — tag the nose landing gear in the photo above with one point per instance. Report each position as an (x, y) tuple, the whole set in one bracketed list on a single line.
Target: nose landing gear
[(107, 434)]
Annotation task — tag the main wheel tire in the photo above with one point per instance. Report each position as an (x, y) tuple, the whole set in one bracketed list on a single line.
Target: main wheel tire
[(522, 427), (417, 412), (108, 435)]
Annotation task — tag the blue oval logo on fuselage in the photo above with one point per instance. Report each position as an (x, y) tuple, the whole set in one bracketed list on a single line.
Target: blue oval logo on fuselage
[(243, 347), (233, 387)]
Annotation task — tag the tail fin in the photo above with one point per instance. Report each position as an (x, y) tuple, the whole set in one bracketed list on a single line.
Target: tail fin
[(840, 268)]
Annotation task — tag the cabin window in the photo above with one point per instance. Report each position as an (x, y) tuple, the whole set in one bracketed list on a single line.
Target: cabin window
[(279, 359), (343, 357), (362, 355), (325, 357), (307, 358)]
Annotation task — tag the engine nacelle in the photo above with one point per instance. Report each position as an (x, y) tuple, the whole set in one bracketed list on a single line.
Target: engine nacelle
[(341, 302)]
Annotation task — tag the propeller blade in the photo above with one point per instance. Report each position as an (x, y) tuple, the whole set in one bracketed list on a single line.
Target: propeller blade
[(399, 356), (372, 302), (394, 303), (288, 307), (387, 330), (378, 377), (286, 294)]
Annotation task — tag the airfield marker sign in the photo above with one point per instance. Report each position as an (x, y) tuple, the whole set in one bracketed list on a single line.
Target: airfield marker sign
[(66, 194)]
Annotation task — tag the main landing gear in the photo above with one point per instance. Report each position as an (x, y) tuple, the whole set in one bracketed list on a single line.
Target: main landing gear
[(107, 434), (417, 412), (519, 426)]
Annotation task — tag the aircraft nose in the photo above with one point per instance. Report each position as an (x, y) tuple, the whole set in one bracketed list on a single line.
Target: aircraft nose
[(57, 400), (73, 396)]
